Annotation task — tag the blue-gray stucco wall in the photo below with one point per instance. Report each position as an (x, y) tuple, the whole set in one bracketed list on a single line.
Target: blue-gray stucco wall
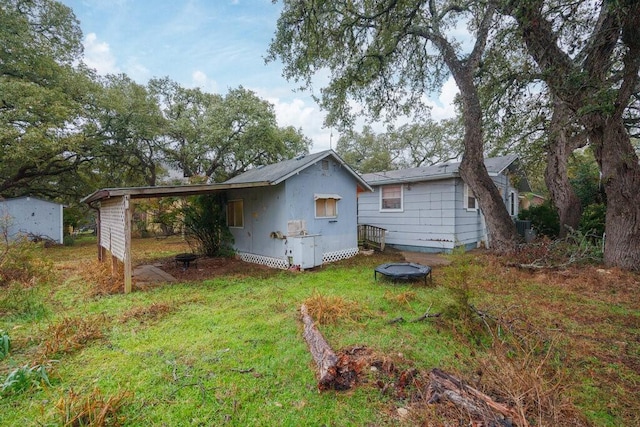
[(268, 210)]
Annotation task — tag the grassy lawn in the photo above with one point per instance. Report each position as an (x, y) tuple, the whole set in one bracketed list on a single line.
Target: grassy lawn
[(561, 346)]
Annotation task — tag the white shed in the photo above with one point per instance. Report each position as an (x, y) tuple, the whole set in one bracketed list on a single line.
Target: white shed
[(32, 217)]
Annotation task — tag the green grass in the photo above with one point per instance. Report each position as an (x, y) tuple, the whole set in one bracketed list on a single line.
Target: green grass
[(229, 350)]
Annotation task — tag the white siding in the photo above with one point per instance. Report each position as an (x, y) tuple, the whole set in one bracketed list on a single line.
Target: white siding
[(434, 218), (427, 222)]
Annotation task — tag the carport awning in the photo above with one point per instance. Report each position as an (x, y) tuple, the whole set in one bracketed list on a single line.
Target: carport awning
[(166, 191)]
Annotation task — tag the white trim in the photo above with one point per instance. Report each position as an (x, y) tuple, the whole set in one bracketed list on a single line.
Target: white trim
[(466, 199), (401, 209), (315, 206)]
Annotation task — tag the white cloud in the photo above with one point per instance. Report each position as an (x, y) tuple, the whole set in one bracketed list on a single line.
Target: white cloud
[(97, 55), (200, 80), (307, 116), (443, 107)]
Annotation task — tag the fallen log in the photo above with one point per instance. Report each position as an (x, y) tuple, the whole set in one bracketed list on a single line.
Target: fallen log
[(334, 372), (476, 403)]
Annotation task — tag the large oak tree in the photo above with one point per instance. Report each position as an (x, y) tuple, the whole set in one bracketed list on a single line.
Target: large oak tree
[(588, 54), (387, 55)]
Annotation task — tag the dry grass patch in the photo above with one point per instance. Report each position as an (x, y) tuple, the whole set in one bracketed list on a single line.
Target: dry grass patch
[(101, 278), (403, 298), (70, 335), (151, 312), (329, 309), (94, 409)]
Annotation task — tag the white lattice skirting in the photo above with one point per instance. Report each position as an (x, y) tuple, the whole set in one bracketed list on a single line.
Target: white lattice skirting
[(264, 260), (338, 255)]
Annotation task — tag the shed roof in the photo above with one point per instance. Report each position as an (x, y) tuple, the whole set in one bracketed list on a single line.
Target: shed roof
[(494, 165), (28, 198), (278, 172)]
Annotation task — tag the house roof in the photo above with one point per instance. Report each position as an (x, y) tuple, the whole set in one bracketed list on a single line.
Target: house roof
[(278, 172), (259, 177), (494, 165)]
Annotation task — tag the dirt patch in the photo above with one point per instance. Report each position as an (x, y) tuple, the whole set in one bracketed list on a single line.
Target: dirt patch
[(210, 268)]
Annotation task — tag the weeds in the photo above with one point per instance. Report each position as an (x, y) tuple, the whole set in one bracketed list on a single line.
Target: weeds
[(95, 410), (21, 262), (154, 311), (103, 280), (327, 310), (70, 335), (24, 378), (5, 344), (23, 302)]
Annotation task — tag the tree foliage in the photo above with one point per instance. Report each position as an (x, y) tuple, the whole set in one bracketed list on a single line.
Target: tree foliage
[(42, 96), (218, 137)]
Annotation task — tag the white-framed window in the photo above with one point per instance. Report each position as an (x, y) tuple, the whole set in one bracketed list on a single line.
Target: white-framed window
[(235, 213), (513, 204), (326, 205), (470, 202), (391, 198)]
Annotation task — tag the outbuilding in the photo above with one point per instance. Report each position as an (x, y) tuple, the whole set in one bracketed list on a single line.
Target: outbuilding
[(32, 218)]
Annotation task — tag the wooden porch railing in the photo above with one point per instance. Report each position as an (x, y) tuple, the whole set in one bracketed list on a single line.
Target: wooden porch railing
[(370, 236)]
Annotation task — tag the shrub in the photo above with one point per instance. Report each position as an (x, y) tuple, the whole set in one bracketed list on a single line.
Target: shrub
[(544, 219), (593, 219), (205, 219)]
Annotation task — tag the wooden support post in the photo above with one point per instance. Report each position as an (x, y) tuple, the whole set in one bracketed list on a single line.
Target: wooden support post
[(127, 245)]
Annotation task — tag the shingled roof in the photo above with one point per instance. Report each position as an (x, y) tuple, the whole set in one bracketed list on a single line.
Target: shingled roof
[(278, 172), (494, 165)]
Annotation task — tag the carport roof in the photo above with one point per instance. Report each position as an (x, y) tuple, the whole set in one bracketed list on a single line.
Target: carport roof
[(166, 190)]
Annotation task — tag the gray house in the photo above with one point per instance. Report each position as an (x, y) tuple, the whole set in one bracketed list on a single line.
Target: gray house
[(431, 209), (32, 217), (306, 215)]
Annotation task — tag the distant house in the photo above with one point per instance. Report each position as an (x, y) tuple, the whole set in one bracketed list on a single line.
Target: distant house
[(305, 216), (431, 209), (32, 218)]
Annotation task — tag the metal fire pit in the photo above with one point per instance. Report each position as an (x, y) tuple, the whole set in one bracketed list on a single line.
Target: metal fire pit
[(186, 259)]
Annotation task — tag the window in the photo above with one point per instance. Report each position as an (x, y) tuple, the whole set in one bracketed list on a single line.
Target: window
[(469, 199), (513, 207), (391, 198), (326, 205), (235, 213)]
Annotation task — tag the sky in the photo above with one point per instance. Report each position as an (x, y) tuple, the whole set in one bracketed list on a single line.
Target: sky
[(215, 45)]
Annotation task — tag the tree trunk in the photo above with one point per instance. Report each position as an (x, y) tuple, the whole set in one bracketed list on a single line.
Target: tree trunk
[(560, 147), (502, 231), (621, 178)]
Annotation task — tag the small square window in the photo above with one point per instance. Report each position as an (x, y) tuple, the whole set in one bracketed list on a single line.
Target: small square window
[(235, 213), (326, 208)]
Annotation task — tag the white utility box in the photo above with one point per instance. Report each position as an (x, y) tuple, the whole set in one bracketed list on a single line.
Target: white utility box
[(306, 250)]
